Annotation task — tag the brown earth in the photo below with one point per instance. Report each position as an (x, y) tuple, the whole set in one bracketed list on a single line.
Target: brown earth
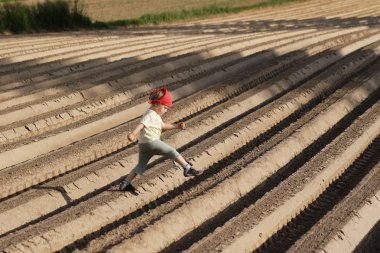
[(117, 9), (282, 112), (110, 10)]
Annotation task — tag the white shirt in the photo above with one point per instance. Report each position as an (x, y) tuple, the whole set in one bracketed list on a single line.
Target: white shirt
[(153, 127)]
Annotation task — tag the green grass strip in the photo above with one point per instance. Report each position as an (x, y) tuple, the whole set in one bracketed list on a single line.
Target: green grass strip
[(193, 13), (60, 15)]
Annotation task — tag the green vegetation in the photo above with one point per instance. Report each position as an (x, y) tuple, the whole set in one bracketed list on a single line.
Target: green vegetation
[(194, 13), (58, 15), (61, 15)]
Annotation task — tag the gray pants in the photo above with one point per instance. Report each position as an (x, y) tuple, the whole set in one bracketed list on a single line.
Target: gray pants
[(149, 149)]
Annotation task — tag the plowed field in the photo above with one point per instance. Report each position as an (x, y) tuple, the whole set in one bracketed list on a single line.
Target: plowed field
[(282, 107)]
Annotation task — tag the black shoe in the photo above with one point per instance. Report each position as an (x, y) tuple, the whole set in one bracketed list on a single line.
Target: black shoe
[(192, 172), (126, 186)]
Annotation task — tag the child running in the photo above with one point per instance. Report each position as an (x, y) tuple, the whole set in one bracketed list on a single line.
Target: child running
[(149, 131)]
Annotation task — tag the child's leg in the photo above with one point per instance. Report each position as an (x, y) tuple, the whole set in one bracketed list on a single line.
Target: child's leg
[(144, 157), (188, 170), (126, 185), (179, 159), (131, 176), (185, 165), (161, 148)]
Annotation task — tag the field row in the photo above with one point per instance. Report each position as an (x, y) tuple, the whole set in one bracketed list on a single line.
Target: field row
[(284, 120)]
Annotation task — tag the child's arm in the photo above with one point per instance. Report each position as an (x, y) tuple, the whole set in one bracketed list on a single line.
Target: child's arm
[(133, 136), (168, 126)]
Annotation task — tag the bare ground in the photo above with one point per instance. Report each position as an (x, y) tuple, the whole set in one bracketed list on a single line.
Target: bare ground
[(282, 112)]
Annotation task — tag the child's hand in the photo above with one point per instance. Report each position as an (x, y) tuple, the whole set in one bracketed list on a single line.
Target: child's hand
[(182, 125), (131, 137)]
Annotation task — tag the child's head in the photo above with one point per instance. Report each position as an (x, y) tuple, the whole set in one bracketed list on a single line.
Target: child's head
[(156, 94), (160, 100)]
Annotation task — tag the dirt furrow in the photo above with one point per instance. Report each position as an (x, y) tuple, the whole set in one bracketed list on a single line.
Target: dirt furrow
[(137, 60), (195, 51), (121, 66), (370, 243), (15, 47), (282, 112), (121, 53), (282, 215), (211, 235), (206, 99), (330, 214), (65, 165), (118, 52), (80, 62), (28, 60), (160, 234), (319, 166), (26, 40), (107, 59), (363, 12), (371, 15), (108, 122), (212, 50), (11, 55), (129, 225), (62, 101), (105, 104), (329, 8), (158, 184), (330, 202), (326, 8), (97, 184)]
